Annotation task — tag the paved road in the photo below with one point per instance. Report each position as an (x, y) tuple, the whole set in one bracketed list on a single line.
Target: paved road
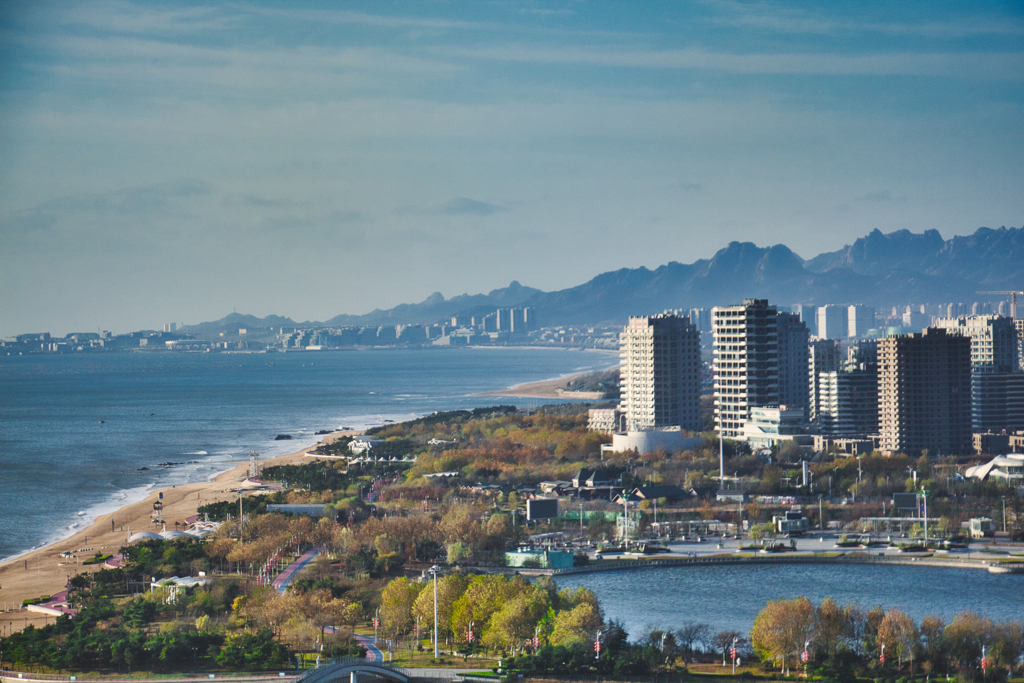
[(285, 578)]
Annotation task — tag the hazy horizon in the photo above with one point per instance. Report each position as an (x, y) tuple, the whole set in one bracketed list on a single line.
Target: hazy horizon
[(163, 164)]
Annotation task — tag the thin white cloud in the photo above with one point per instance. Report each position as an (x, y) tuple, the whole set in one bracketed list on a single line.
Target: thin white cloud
[(115, 16), (362, 18), (775, 18), (456, 206), (1003, 65)]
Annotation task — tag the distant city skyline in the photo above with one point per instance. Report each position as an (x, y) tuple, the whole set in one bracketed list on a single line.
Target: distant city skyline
[(175, 163)]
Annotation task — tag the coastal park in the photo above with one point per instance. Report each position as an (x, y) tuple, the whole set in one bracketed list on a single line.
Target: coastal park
[(365, 538)]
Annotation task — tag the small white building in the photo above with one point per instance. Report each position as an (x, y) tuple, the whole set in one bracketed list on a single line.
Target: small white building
[(670, 439), (361, 444)]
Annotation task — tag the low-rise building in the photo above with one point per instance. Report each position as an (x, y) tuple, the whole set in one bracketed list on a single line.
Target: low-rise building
[(793, 523), (771, 425), (540, 559)]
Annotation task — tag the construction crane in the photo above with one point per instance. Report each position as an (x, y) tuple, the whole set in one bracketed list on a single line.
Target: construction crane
[(1013, 300)]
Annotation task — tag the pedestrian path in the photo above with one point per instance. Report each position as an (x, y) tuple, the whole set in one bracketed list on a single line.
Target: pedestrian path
[(373, 653), (285, 578)]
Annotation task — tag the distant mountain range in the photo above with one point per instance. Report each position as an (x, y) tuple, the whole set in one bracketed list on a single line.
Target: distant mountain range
[(879, 269)]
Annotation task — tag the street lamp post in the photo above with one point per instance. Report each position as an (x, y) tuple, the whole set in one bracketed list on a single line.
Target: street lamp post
[(434, 570), (925, 495)]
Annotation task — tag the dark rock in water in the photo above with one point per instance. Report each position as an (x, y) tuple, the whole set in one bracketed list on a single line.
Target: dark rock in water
[(142, 469), (282, 437), (325, 431)]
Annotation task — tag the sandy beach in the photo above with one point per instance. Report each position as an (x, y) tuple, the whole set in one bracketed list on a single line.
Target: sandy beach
[(552, 388), (44, 571)]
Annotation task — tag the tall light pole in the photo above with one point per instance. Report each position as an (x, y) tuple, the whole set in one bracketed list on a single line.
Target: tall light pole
[(434, 570), (721, 457), (924, 492)]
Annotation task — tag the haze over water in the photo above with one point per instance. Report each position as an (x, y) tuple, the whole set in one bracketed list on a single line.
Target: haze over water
[(78, 428)]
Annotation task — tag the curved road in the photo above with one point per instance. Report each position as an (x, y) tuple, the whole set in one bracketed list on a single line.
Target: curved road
[(285, 578)]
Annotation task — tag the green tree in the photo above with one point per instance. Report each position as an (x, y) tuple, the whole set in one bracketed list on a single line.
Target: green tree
[(449, 589), (396, 603), (516, 620), (252, 652), (576, 625)]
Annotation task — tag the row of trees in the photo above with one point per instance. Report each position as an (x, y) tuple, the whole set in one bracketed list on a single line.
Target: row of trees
[(840, 636), (105, 636), (503, 614)]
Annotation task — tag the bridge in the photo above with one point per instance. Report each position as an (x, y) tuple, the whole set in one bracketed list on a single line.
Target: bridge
[(338, 670)]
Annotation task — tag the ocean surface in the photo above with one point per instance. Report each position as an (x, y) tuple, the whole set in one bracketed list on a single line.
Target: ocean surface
[(76, 431), (728, 597)]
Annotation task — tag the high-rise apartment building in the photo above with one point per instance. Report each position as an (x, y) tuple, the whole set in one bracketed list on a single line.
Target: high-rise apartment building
[(997, 388), (793, 357), (997, 401), (831, 321), (660, 373), (859, 319), (924, 395), (746, 366), (1019, 324), (823, 356), (849, 402), (993, 341)]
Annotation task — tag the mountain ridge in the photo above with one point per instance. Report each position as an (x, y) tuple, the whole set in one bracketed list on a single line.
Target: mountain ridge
[(879, 269)]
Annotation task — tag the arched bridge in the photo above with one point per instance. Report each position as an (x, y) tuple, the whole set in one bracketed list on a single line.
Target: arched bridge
[(347, 670)]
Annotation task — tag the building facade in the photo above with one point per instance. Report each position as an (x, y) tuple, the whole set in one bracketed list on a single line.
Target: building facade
[(823, 355), (849, 402), (746, 350), (793, 359), (997, 401), (993, 341), (832, 321), (859, 319), (924, 393), (660, 373)]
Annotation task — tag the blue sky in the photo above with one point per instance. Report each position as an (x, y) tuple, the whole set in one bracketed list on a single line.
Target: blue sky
[(173, 162)]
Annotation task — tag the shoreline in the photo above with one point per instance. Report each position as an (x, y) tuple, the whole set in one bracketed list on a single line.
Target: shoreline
[(550, 388), (43, 571)]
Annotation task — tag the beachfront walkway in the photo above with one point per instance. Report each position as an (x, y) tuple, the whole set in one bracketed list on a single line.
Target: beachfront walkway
[(285, 578)]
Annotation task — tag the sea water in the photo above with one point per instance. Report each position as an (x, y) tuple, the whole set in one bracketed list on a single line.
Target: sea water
[(728, 597), (89, 433)]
